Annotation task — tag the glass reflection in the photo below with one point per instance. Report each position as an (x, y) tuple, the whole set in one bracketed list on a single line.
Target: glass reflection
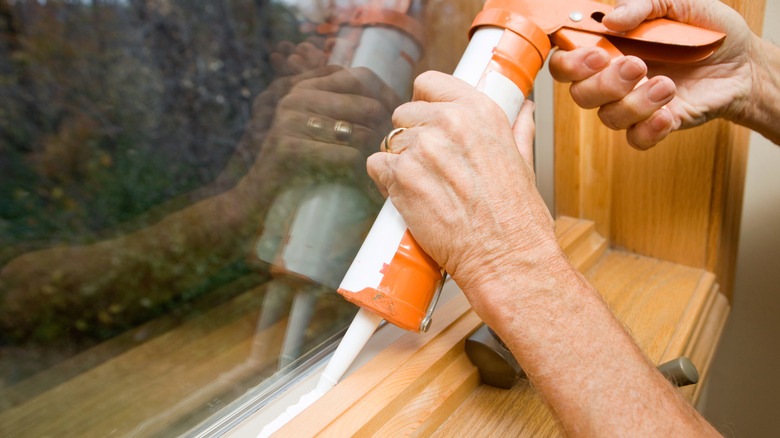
[(182, 188)]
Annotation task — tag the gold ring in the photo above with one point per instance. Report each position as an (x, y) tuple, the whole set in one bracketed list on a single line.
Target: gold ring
[(342, 131), (388, 137), (315, 123)]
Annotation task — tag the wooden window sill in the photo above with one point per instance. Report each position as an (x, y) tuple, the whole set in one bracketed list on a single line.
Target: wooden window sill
[(424, 385)]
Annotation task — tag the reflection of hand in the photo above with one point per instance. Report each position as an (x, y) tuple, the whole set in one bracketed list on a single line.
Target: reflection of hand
[(292, 59), (677, 96), (462, 179), (292, 64), (113, 283), (304, 139)]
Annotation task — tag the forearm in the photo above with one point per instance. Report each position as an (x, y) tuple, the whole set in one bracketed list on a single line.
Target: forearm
[(577, 355), (189, 245), (117, 281), (761, 112)]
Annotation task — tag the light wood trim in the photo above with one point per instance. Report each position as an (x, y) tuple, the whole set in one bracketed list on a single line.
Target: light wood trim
[(680, 201), (520, 412), (446, 24), (409, 364), (701, 348), (403, 391), (440, 399), (415, 387), (690, 198)]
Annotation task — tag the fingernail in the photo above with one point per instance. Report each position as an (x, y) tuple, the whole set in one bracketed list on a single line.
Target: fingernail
[(631, 70), (659, 92), (660, 121), (596, 60), (617, 12)]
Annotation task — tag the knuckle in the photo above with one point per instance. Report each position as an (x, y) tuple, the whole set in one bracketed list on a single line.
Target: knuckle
[(290, 100), (581, 96), (428, 147), (399, 112), (372, 111), (449, 120), (607, 116), (449, 117), (423, 79), (366, 77), (406, 175)]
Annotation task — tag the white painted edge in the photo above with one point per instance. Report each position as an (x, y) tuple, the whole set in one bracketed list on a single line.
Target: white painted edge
[(384, 336)]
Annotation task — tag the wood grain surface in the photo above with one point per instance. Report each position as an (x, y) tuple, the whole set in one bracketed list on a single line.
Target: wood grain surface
[(423, 385), (680, 201)]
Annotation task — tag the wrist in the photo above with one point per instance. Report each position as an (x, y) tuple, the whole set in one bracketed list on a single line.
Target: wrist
[(505, 286), (258, 187), (760, 110)]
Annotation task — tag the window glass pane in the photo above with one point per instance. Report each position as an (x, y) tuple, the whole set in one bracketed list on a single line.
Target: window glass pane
[(182, 187)]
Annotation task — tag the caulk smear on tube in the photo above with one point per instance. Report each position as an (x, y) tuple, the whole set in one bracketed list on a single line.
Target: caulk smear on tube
[(358, 333)]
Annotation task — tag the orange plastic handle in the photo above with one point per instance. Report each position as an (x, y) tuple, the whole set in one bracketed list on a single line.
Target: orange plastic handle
[(576, 23)]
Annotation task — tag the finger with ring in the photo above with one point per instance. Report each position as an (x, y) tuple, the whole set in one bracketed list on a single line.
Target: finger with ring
[(388, 137), (315, 124), (342, 131)]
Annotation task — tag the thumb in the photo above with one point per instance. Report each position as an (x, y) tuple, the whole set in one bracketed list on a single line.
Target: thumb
[(524, 130), (378, 167), (628, 14)]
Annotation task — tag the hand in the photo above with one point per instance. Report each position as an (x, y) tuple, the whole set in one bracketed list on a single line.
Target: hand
[(292, 64), (304, 138), (677, 96), (292, 59), (461, 177)]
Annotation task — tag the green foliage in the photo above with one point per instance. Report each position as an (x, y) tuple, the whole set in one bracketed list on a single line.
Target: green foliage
[(109, 108)]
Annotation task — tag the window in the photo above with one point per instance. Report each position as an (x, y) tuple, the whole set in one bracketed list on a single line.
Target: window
[(159, 162)]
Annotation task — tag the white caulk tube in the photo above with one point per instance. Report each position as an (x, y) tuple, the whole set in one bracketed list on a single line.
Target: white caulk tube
[(406, 291), (499, 47), (391, 51), (316, 248), (389, 46), (473, 68), (388, 52)]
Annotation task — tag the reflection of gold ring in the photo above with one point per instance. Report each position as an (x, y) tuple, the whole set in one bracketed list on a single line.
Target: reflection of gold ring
[(315, 124), (388, 137), (342, 131)]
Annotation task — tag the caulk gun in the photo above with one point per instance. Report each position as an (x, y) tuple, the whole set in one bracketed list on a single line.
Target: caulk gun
[(510, 40), (391, 277), (310, 218)]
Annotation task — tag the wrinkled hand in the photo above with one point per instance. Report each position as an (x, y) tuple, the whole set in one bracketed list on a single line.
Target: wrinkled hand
[(303, 139), (294, 59), (677, 96), (462, 178), (292, 63)]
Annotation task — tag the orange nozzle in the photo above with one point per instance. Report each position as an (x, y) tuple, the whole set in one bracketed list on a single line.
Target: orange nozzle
[(406, 290)]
